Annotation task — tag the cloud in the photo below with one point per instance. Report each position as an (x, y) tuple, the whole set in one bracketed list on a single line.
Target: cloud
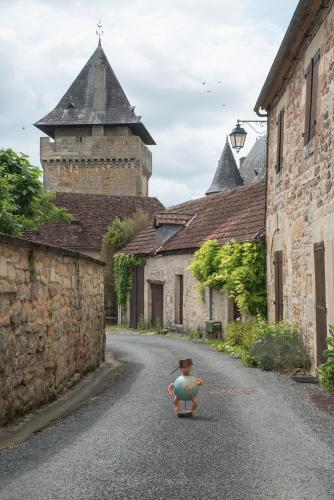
[(161, 52)]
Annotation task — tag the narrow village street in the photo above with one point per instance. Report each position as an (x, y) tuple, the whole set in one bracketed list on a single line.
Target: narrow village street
[(256, 436)]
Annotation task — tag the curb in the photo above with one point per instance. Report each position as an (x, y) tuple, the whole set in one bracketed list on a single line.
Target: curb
[(90, 386)]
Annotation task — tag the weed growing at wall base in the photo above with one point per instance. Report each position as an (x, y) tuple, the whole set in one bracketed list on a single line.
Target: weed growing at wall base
[(326, 371)]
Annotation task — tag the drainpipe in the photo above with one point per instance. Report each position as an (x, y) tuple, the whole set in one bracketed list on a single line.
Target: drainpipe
[(262, 115), (119, 314), (210, 303)]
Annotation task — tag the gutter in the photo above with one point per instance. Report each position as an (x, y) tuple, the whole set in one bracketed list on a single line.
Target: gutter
[(296, 25)]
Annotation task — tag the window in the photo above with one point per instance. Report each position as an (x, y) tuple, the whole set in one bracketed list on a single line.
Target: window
[(280, 140), (278, 263), (179, 299), (311, 76)]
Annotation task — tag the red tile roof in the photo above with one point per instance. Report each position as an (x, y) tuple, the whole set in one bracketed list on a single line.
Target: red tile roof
[(171, 218), (237, 215), (93, 214)]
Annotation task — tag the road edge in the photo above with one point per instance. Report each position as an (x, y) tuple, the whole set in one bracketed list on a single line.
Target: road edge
[(90, 386)]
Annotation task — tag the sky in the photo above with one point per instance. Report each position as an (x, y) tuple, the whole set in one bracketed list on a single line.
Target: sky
[(161, 51)]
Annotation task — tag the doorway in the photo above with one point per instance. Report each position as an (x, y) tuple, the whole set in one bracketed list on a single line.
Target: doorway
[(157, 313), (320, 300)]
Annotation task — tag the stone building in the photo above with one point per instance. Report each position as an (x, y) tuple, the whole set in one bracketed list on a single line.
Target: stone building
[(164, 289), (96, 160), (298, 96), (96, 144)]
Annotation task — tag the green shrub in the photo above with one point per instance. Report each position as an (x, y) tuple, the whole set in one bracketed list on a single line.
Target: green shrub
[(326, 373), (244, 335), (276, 346), (280, 352), (193, 334)]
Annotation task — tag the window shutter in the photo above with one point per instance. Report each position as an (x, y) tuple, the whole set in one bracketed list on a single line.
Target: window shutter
[(315, 79), (308, 77), (281, 137), (278, 256)]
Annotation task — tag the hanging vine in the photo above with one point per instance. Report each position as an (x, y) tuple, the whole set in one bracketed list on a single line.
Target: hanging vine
[(123, 267), (237, 268)]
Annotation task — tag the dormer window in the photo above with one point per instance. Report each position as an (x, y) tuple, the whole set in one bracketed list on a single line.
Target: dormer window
[(168, 223)]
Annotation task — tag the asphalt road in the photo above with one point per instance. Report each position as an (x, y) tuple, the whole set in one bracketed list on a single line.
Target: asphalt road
[(256, 436)]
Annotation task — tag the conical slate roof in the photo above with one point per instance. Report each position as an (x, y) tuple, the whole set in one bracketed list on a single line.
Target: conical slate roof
[(227, 175), (253, 168), (95, 98)]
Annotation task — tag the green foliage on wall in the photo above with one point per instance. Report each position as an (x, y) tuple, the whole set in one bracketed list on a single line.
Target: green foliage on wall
[(23, 202), (118, 234), (123, 267), (237, 268)]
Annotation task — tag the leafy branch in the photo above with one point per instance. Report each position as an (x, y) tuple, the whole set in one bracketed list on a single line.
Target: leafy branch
[(237, 268)]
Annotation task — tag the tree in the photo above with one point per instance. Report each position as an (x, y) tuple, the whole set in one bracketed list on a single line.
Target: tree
[(24, 204), (119, 234)]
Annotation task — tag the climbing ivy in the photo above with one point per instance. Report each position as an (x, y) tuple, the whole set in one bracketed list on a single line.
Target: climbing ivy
[(123, 267), (238, 268)]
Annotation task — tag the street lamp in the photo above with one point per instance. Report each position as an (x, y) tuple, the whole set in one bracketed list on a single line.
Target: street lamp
[(238, 137), (238, 134)]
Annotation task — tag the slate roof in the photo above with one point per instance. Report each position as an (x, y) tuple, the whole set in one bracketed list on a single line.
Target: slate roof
[(77, 105), (93, 214), (227, 174), (254, 166), (236, 215)]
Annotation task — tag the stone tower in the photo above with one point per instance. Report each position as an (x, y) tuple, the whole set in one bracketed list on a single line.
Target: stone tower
[(96, 142), (227, 175)]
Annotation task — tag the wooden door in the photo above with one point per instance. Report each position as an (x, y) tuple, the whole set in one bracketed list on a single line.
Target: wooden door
[(157, 315), (181, 300), (278, 263), (320, 299), (178, 299), (137, 296)]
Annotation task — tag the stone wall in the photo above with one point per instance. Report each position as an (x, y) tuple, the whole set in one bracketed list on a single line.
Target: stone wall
[(300, 206), (195, 310), (97, 160), (51, 322)]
